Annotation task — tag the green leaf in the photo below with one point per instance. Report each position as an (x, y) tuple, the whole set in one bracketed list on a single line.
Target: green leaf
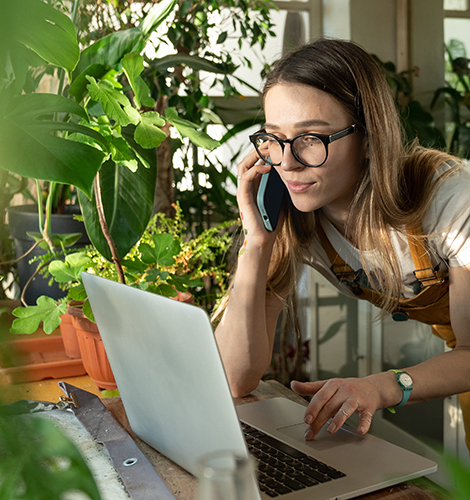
[(154, 118), (30, 147), (182, 282), (188, 129), (222, 37), (41, 28), (133, 65), (147, 133), (102, 56), (134, 266), (58, 240), (165, 247), (194, 62), (107, 52), (165, 290), (40, 462), (156, 274), (87, 311), (111, 99), (29, 318), (121, 153), (78, 293), (133, 114), (332, 331), (156, 16), (69, 270), (127, 200)]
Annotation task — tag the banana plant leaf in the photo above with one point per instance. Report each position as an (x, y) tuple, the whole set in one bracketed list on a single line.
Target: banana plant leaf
[(106, 53), (30, 147), (195, 62), (127, 201), (32, 33), (41, 28)]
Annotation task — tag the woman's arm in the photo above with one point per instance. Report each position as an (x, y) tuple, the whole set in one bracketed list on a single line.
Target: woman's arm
[(245, 335), (440, 376)]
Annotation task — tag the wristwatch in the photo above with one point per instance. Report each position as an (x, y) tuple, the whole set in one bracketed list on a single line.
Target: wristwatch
[(406, 384)]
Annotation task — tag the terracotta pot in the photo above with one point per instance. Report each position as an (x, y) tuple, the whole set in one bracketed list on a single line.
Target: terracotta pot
[(69, 334), (93, 354), (186, 297)]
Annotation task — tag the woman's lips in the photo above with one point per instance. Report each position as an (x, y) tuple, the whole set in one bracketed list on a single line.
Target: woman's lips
[(298, 187)]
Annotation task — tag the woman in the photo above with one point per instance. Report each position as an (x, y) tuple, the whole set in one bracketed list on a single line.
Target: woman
[(382, 223)]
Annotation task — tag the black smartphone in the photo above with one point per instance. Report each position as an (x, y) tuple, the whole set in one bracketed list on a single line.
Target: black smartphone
[(271, 192)]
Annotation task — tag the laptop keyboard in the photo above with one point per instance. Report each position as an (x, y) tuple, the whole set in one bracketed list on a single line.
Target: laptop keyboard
[(283, 469)]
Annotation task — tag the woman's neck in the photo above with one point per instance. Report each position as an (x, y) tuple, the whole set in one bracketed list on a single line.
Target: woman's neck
[(339, 219)]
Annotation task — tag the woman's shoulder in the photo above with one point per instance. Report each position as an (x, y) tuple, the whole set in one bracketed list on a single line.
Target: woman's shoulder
[(448, 217), (453, 183)]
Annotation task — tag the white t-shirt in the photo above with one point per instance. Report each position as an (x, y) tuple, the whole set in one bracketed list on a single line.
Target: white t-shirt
[(448, 221)]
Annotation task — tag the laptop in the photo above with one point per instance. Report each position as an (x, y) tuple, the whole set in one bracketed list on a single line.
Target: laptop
[(173, 387)]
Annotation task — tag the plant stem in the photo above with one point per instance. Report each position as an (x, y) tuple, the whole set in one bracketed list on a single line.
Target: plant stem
[(105, 229), (40, 212), (22, 256), (31, 279), (47, 222)]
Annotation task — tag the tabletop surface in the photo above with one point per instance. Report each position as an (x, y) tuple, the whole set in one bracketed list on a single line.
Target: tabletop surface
[(184, 486)]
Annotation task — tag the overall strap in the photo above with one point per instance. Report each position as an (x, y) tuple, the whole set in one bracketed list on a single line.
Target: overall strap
[(424, 270), (342, 271)]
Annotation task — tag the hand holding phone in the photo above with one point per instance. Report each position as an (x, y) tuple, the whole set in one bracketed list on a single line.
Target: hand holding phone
[(271, 192)]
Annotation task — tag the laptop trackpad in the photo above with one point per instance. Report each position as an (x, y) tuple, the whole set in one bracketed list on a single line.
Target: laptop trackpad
[(324, 440)]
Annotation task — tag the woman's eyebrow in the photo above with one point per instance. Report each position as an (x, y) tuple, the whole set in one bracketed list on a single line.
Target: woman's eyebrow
[(303, 124)]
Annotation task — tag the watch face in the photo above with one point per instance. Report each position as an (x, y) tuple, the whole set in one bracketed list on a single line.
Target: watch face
[(405, 379)]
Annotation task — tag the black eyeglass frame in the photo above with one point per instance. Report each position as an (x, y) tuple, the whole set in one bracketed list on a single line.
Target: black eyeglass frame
[(325, 139)]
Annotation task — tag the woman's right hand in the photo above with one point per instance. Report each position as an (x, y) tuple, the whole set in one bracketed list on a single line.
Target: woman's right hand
[(250, 170)]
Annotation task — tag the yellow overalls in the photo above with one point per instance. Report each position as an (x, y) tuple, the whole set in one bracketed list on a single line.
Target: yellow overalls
[(430, 306)]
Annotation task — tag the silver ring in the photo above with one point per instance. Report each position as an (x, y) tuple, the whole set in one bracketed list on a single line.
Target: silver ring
[(366, 419), (342, 411), (368, 412)]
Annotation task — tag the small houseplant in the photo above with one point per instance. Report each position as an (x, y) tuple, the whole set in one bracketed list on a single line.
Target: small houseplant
[(163, 261)]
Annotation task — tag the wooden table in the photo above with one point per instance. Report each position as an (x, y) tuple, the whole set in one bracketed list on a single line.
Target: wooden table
[(184, 486)]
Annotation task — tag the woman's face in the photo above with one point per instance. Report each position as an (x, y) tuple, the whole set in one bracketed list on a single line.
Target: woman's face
[(293, 109)]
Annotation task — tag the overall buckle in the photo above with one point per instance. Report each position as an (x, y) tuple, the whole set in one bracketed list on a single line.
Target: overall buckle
[(426, 281), (343, 272)]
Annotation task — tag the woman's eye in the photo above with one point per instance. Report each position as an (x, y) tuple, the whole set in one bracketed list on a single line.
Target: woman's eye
[(310, 140)]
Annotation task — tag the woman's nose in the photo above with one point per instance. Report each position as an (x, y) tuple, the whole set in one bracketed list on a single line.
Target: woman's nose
[(289, 161)]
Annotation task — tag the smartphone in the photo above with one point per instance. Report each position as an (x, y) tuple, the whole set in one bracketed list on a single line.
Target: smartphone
[(271, 192)]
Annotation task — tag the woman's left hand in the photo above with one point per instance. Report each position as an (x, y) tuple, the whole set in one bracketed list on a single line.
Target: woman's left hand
[(337, 399)]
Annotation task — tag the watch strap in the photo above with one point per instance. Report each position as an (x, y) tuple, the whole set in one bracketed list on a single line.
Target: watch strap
[(406, 390)]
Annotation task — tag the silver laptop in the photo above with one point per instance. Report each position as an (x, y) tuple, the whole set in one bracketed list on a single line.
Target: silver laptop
[(173, 387)]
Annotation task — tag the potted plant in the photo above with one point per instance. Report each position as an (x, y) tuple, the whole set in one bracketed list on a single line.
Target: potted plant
[(457, 97), (163, 261), (90, 134)]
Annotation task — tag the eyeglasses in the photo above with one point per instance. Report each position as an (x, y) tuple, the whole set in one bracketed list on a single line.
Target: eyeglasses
[(310, 150)]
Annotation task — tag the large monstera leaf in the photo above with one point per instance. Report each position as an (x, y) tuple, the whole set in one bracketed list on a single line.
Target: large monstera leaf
[(127, 201)]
